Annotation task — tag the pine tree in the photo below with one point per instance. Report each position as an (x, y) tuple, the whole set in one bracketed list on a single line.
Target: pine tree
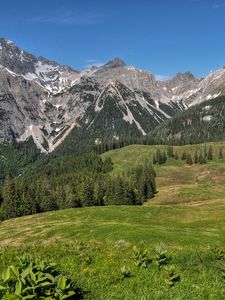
[(184, 156), (10, 203), (205, 151), (87, 192), (202, 158), (196, 157), (176, 155), (99, 192), (158, 157), (170, 151), (220, 153), (164, 157), (209, 154), (189, 160)]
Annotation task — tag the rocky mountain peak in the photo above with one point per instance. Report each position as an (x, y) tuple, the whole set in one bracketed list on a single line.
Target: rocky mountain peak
[(115, 63), (182, 77)]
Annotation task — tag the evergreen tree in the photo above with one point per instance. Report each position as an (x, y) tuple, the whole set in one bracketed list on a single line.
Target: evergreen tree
[(87, 192), (164, 157), (184, 155), (209, 154), (10, 203), (196, 157), (170, 151), (176, 155), (189, 160), (99, 192), (220, 153), (205, 151), (202, 158), (158, 157)]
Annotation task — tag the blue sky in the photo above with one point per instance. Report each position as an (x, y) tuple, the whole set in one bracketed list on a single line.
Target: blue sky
[(161, 36)]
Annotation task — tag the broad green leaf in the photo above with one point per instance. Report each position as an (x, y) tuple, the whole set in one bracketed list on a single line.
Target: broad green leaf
[(18, 289), (62, 282), (6, 274), (15, 271), (11, 297), (69, 294), (3, 288)]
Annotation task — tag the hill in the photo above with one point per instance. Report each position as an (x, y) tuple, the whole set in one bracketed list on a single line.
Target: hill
[(94, 246), (176, 181)]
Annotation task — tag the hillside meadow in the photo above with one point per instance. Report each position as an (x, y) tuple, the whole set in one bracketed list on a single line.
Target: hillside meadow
[(170, 248)]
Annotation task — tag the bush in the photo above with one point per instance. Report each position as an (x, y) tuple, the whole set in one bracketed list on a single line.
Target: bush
[(36, 279)]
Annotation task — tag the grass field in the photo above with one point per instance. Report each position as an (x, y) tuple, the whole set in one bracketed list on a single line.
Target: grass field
[(94, 246), (177, 182)]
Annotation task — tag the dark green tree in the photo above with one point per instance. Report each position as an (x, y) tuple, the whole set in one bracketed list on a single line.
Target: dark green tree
[(210, 154), (196, 157), (184, 155), (10, 203), (220, 153), (189, 159)]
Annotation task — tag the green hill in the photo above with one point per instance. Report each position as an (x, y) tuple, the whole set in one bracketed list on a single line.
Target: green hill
[(94, 246), (176, 181)]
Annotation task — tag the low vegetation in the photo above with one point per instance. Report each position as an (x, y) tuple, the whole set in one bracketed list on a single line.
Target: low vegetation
[(172, 247)]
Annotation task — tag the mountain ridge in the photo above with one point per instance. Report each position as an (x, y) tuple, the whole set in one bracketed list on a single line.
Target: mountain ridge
[(49, 100)]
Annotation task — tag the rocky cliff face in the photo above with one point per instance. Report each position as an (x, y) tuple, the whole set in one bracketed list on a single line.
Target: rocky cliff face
[(46, 100), (51, 75)]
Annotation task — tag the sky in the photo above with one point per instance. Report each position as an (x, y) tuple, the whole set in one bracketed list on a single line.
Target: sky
[(160, 36)]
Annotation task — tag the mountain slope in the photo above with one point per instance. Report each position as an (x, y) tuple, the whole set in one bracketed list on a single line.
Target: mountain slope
[(51, 75), (52, 103), (201, 123)]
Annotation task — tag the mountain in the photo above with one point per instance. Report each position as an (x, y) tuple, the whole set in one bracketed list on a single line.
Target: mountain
[(51, 75), (200, 123), (50, 102)]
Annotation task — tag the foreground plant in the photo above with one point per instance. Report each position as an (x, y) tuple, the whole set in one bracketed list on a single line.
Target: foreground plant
[(172, 276), (160, 256), (141, 257), (35, 279)]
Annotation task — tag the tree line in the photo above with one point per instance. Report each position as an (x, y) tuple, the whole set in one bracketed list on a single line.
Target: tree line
[(75, 181), (200, 156)]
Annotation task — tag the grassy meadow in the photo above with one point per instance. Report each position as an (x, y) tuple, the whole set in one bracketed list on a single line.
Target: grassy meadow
[(94, 246)]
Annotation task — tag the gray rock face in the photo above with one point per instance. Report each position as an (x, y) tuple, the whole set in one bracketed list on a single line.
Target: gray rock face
[(51, 75), (45, 100)]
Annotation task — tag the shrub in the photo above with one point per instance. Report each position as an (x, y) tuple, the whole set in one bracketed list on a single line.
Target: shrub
[(172, 276), (141, 257), (35, 279), (160, 256)]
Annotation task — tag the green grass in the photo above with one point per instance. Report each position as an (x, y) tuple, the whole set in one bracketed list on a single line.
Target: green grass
[(177, 182), (91, 245)]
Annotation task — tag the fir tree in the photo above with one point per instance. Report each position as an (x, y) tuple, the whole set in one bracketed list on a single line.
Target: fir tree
[(176, 155), (184, 155), (220, 153), (202, 158), (170, 151), (164, 157), (189, 160), (209, 154), (196, 157), (10, 203)]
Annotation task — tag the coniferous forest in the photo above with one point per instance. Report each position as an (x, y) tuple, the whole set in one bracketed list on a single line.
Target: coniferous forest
[(76, 180)]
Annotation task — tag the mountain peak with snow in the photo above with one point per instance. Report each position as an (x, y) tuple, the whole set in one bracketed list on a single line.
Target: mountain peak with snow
[(48, 101)]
